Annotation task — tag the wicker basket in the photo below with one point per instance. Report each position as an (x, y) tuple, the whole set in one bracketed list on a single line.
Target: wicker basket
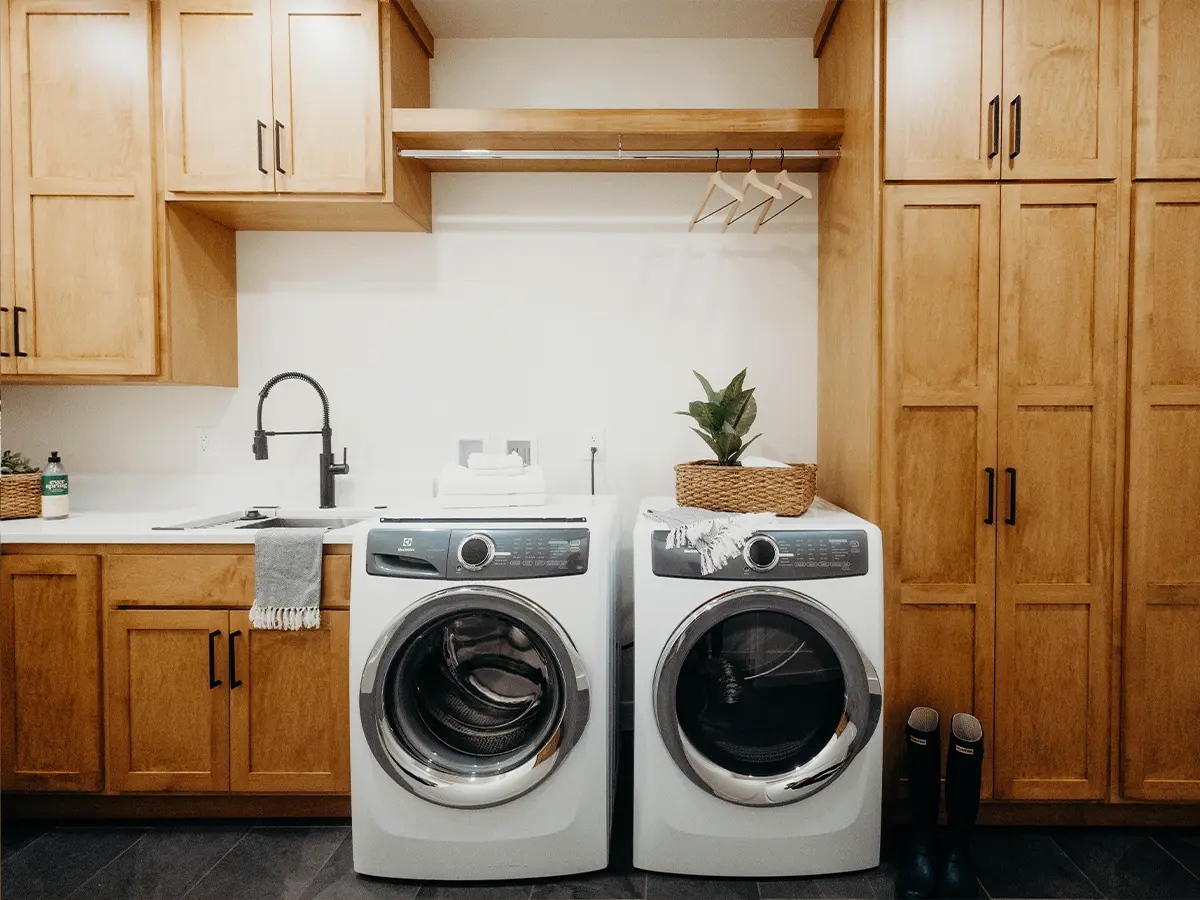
[(746, 489), (20, 496)]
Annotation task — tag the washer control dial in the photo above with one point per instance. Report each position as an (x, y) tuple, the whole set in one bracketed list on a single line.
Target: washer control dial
[(761, 553), (476, 551)]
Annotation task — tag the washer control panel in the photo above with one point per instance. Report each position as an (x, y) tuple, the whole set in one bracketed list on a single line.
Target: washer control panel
[(476, 554), (771, 556)]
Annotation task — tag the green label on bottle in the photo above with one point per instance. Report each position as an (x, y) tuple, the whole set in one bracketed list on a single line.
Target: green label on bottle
[(54, 485)]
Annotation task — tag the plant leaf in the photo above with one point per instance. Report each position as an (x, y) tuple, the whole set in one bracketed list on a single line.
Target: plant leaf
[(742, 449), (748, 413), (735, 386), (711, 445), (712, 395), (728, 446)]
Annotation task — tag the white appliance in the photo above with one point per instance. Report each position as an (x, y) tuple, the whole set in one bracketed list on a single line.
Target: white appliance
[(757, 698), (482, 670)]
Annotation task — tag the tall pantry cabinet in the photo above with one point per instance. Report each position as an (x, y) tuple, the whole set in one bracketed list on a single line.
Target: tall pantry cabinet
[(1032, 449)]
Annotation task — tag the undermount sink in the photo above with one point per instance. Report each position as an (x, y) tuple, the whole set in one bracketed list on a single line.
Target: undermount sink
[(284, 522)]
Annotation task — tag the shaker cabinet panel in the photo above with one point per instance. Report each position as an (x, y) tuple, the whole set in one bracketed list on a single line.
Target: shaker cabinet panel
[(1162, 592), (1167, 142), (943, 71), (1057, 428), (216, 70)]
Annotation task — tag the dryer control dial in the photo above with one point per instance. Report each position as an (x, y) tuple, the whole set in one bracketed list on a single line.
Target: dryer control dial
[(761, 553), (476, 551)]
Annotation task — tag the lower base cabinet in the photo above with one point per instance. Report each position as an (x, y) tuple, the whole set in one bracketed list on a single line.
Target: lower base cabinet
[(199, 702)]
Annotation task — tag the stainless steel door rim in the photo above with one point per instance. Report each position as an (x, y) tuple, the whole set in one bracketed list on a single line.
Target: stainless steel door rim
[(423, 777), (860, 717)]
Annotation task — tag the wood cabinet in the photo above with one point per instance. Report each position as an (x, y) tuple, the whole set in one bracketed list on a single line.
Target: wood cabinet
[(289, 717), (100, 281), (168, 702), (83, 188), (273, 96), (50, 646), (1056, 477), (1162, 601), (1167, 142), (998, 470), (985, 89)]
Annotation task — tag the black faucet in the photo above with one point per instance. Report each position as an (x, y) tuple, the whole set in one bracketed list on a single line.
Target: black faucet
[(329, 468)]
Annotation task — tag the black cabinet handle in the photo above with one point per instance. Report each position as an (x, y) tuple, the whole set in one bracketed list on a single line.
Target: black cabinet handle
[(262, 127), (1012, 496), (4, 354), (213, 680), (991, 507), (233, 679), (17, 310), (279, 148), (994, 111), (1015, 106)]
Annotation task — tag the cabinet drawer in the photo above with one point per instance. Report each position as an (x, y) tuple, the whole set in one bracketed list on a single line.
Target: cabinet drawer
[(208, 580)]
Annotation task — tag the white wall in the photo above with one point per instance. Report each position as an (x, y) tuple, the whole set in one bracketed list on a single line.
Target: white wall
[(543, 304)]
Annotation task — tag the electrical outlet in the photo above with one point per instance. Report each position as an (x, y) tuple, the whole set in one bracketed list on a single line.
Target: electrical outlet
[(592, 437), (203, 441)]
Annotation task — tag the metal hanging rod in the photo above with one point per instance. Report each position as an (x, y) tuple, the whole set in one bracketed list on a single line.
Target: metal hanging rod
[(618, 154)]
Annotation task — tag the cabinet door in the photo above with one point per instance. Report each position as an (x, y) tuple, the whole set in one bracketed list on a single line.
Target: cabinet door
[(83, 187), (216, 70), (8, 363), (168, 700), (328, 127), (1168, 79), (1062, 82), (50, 616), (943, 70), (1057, 438), (940, 282), (1162, 593), (289, 715)]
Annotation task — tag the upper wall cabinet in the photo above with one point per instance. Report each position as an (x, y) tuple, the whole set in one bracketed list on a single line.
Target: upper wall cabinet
[(272, 96), (1168, 78), (989, 89)]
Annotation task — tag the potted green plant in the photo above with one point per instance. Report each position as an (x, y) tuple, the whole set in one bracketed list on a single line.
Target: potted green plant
[(20, 487), (723, 419)]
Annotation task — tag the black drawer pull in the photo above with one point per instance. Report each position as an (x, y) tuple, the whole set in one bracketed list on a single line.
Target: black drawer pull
[(17, 351), (1015, 106), (1012, 496), (213, 680), (279, 148), (233, 679), (262, 127), (991, 507), (4, 354), (994, 111)]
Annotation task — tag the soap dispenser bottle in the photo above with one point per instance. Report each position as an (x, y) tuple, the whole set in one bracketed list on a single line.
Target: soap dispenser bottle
[(55, 495)]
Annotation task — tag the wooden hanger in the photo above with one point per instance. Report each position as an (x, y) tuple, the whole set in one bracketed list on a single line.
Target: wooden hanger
[(752, 181), (714, 182), (782, 180)]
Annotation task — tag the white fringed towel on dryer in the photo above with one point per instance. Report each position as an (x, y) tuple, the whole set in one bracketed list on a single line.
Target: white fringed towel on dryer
[(717, 537)]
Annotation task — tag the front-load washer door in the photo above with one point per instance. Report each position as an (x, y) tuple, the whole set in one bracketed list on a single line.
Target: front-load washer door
[(473, 697), (763, 697)]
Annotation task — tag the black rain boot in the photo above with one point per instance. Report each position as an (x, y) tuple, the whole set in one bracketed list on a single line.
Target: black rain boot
[(918, 866), (964, 771)]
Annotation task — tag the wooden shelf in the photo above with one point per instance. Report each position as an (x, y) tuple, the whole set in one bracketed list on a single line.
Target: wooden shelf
[(584, 130)]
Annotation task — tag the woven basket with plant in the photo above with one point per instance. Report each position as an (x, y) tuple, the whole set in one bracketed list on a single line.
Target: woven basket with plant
[(723, 420), (20, 487)]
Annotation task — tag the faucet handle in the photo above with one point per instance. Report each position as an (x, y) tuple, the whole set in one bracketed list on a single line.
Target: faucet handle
[(342, 468)]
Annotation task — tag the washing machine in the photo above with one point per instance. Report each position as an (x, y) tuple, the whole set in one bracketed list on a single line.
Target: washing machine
[(482, 669), (757, 700)]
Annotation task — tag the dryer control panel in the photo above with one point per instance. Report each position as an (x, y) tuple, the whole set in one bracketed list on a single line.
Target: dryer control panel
[(476, 554), (772, 556)]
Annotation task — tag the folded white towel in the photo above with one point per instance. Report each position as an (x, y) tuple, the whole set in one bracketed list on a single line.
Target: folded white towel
[(482, 462), (461, 480), (762, 462), (489, 501)]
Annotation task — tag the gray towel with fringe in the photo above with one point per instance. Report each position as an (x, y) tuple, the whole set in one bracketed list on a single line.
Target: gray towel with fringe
[(287, 578), (717, 536)]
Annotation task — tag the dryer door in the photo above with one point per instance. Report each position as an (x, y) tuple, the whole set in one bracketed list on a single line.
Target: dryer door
[(473, 697), (763, 697)]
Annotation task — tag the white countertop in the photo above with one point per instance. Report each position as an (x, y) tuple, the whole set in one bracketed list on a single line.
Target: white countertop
[(139, 528)]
